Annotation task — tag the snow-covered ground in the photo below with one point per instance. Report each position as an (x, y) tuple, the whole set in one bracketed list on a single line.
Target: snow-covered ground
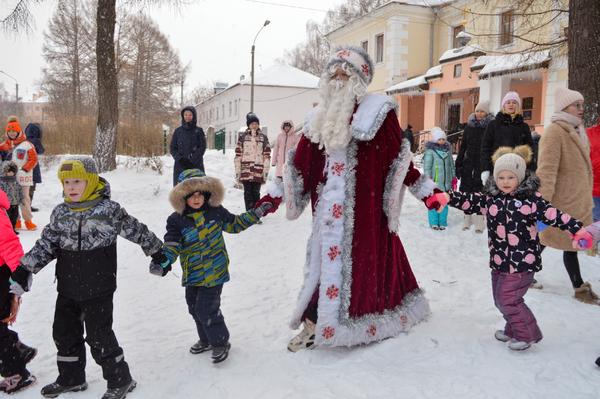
[(452, 355)]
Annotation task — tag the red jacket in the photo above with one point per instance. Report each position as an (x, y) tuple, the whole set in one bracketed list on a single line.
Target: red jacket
[(10, 246), (594, 136)]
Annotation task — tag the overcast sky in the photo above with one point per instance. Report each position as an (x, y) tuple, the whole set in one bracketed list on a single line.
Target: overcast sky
[(214, 35)]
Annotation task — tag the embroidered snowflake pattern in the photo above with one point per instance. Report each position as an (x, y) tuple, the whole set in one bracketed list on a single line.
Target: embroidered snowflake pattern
[(332, 292), (336, 211), (365, 69), (334, 252), (328, 332), (338, 168), (343, 53), (372, 330)]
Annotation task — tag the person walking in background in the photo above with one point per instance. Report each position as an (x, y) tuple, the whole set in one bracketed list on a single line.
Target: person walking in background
[(252, 160), (410, 136), (10, 185), (33, 132), (439, 167), (565, 171), (468, 161), (25, 156), (508, 129), (286, 140), (188, 144)]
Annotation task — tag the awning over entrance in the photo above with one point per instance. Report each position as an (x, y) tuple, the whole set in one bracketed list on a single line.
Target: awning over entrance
[(498, 65)]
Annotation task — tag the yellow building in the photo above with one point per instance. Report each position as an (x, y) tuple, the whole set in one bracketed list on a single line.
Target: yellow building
[(438, 74)]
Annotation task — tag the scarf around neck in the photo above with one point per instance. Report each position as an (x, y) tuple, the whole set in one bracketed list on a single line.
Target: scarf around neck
[(577, 124)]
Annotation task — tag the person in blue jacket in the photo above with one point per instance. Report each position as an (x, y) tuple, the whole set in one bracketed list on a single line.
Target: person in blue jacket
[(188, 144), (33, 132), (438, 165)]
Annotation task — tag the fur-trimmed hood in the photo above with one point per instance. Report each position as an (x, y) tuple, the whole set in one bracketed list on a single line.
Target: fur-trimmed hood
[(528, 187), (191, 185), (473, 122)]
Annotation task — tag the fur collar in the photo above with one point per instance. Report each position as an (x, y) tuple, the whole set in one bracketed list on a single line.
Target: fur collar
[(194, 184), (527, 188), (430, 145), (473, 122)]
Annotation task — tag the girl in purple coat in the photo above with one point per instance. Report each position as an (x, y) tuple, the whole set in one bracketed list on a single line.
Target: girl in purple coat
[(513, 207)]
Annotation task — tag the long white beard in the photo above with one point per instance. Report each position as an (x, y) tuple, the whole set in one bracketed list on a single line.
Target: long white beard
[(330, 127)]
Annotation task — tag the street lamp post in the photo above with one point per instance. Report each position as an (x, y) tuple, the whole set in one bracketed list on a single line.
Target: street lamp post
[(267, 22), (16, 89)]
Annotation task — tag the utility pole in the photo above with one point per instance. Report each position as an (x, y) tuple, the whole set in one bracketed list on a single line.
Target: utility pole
[(267, 22)]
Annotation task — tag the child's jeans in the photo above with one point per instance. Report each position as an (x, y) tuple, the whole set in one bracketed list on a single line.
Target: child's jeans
[(438, 218), (204, 305), (508, 290), (11, 360)]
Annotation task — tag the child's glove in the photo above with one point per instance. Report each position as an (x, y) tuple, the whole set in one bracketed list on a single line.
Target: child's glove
[(160, 265), (437, 201), (262, 209), (485, 175), (20, 281), (583, 239), (454, 183), (274, 203)]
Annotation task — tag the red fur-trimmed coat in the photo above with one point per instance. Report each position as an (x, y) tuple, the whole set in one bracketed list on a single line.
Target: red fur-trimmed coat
[(367, 290)]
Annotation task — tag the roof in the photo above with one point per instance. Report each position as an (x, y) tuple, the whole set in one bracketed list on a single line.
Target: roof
[(283, 75), (460, 52), (512, 63), (434, 72), (414, 84)]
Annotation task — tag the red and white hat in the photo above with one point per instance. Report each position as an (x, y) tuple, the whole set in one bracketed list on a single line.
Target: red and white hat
[(357, 58)]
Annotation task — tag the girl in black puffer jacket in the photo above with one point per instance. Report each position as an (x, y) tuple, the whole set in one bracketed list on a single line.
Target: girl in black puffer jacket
[(507, 130), (513, 207)]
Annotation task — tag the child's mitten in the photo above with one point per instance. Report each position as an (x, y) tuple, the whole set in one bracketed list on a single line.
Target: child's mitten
[(583, 239), (437, 201), (274, 203), (160, 265), (20, 281), (263, 209)]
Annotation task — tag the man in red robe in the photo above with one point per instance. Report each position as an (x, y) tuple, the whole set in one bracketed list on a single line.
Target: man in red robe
[(354, 166)]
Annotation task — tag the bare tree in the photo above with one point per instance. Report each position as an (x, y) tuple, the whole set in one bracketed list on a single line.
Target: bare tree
[(584, 55)]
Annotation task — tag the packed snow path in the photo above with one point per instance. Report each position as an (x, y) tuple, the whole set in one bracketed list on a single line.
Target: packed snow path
[(452, 355)]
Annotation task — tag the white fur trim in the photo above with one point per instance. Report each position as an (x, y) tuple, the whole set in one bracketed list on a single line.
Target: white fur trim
[(275, 189), (295, 196), (369, 116), (423, 187), (393, 194)]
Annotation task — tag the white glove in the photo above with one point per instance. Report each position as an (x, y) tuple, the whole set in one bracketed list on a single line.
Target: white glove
[(485, 175)]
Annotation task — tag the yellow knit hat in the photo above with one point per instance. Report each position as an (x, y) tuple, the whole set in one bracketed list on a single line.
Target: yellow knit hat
[(83, 168)]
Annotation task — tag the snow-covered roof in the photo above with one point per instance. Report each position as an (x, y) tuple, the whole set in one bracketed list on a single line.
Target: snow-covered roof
[(481, 61), (407, 85), (510, 63), (434, 72), (283, 75), (461, 52)]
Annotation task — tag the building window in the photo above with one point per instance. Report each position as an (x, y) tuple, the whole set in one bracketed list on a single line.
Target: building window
[(527, 108), (217, 113), (365, 46), (455, 31), (235, 107), (506, 27), (379, 50), (457, 70), (230, 108), (223, 110)]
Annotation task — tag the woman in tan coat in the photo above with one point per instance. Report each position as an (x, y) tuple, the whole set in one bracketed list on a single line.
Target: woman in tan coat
[(565, 171)]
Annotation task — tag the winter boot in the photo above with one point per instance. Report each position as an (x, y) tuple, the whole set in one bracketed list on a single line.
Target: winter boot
[(30, 225), (18, 225), (536, 284), (500, 336), (598, 362), (121, 392), (479, 222), (518, 345), (27, 352), (586, 295), (16, 383), (55, 389), (220, 353), (466, 222), (34, 209), (304, 340), (200, 347)]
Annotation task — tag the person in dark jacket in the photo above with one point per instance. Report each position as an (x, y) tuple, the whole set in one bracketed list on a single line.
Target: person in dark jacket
[(195, 235), (82, 237), (188, 144), (33, 132), (409, 135), (468, 168), (514, 206), (507, 130)]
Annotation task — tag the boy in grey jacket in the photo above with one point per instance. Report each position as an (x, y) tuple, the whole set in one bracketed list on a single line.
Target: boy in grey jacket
[(9, 184)]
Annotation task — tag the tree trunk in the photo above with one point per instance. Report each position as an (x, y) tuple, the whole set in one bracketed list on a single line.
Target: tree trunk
[(105, 149), (584, 55)]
